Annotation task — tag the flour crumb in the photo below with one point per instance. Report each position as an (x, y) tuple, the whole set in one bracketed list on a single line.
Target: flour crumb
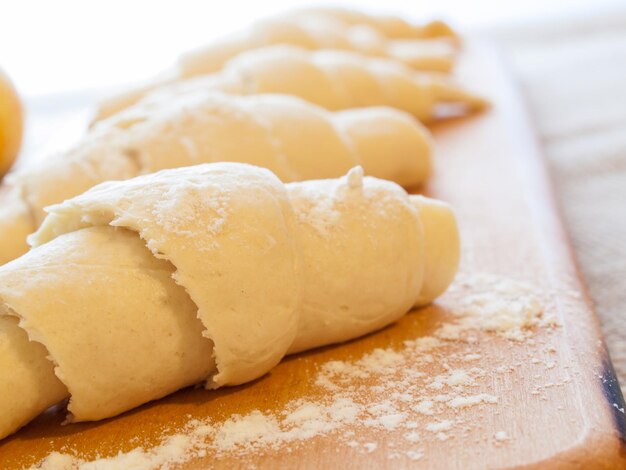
[(501, 436), (354, 178), (255, 428), (472, 357), (370, 447), (412, 436), (414, 454), (464, 402), (392, 421), (425, 407), (444, 425)]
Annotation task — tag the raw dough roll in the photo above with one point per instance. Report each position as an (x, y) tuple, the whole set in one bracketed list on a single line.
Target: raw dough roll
[(442, 247), (205, 274), (155, 322), (294, 139), (16, 223), (349, 226), (334, 80), (28, 385), (431, 47), (390, 26), (319, 32)]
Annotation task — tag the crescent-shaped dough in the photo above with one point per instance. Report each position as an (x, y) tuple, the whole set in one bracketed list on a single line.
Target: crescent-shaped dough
[(294, 139), (209, 273), (332, 79), (318, 32)]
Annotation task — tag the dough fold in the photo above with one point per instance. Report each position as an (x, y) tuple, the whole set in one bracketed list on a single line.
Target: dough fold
[(211, 273), (294, 139), (332, 79), (321, 32), (227, 230)]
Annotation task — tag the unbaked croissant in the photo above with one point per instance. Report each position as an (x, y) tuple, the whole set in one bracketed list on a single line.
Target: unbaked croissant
[(418, 47), (390, 26), (294, 139), (319, 32), (332, 79), (211, 274)]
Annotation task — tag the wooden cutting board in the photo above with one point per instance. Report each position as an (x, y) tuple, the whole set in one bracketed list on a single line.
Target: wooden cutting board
[(547, 400)]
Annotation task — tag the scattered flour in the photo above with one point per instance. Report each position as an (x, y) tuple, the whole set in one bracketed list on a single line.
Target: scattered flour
[(501, 436), (370, 446), (178, 212), (415, 393), (438, 426), (424, 407), (464, 402), (503, 306), (414, 455), (412, 436), (316, 209)]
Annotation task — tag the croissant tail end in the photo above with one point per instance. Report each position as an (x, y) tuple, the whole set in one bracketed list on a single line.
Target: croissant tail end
[(442, 247)]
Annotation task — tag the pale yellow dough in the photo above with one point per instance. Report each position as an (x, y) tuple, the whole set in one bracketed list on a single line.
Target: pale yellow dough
[(74, 294), (388, 25), (320, 32), (363, 251), (332, 79), (294, 139), (16, 223), (211, 273)]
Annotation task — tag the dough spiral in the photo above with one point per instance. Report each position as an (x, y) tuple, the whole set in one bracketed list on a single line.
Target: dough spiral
[(210, 273)]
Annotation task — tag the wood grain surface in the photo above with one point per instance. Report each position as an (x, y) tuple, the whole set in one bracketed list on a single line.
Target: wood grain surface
[(558, 404)]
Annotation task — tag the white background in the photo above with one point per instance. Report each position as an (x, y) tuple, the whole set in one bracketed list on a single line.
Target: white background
[(51, 46)]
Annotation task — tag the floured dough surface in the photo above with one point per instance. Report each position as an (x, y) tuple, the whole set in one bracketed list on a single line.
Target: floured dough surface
[(362, 244), (200, 127), (290, 137), (27, 381), (309, 143), (227, 229), (333, 79), (210, 273), (96, 298)]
